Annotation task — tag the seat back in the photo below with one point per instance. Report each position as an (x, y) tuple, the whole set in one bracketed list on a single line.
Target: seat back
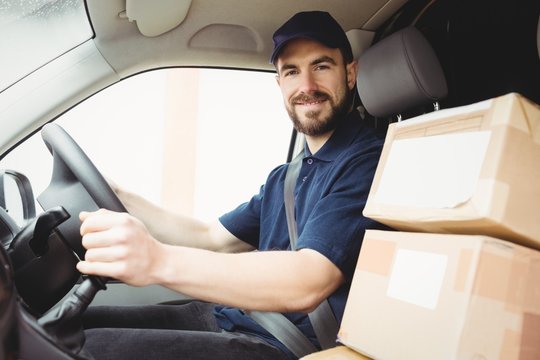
[(399, 73)]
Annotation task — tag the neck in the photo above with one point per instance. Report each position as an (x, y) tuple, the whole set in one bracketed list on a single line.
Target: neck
[(315, 143)]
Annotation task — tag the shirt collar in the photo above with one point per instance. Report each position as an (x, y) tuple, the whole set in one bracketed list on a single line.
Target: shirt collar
[(342, 137)]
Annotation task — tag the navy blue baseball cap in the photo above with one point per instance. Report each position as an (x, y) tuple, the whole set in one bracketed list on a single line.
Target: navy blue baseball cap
[(315, 25)]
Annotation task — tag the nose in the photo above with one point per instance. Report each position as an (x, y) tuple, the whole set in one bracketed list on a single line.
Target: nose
[(308, 83)]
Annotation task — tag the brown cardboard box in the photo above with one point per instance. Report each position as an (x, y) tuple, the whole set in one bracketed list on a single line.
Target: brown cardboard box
[(439, 296), (468, 170), (337, 353)]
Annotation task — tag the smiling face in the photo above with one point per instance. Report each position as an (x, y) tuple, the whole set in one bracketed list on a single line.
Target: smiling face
[(316, 85)]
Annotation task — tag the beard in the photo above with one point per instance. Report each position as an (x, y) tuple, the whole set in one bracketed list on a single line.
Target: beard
[(315, 122)]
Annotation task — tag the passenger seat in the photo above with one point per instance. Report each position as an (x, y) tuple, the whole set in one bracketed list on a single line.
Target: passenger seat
[(400, 73)]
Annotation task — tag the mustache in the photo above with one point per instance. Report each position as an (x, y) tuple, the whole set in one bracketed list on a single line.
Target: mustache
[(315, 96)]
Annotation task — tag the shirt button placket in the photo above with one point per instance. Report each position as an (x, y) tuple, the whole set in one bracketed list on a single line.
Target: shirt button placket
[(309, 162)]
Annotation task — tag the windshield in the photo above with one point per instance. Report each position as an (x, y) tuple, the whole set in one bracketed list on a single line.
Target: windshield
[(32, 33)]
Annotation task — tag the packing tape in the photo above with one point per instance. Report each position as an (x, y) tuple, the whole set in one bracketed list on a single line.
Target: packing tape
[(524, 344), (493, 276), (518, 289), (512, 278), (531, 301), (463, 269), (530, 337), (376, 256), (509, 349), (484, 203), (532, 116), (501, 111)]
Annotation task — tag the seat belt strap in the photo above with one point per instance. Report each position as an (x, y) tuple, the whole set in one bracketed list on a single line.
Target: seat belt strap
[(324, 324), (285, 331), (322, 318), (2, 191), (291, 176)]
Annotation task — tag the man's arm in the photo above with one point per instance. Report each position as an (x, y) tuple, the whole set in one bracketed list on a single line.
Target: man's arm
[(119, 246), (175, 229)]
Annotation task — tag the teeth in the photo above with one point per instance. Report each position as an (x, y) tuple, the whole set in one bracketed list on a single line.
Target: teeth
[(304, 102)]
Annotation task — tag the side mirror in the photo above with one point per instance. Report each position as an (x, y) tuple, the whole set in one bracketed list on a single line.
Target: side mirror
[(16, 196)]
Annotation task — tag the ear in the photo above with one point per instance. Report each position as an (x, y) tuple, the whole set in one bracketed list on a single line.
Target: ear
[(352, 71), (277, 80)]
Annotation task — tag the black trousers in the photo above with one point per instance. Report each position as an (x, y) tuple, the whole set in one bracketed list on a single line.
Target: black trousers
[(167, 332)]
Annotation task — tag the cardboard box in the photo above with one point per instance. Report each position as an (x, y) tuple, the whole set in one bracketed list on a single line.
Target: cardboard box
[(440, 296), (468, 170), (337, 353)]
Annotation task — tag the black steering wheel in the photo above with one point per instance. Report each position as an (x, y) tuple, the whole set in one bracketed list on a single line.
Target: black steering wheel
[(44, 253), (76, 184)]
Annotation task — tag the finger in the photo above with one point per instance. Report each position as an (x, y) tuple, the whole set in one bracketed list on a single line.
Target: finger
[(106, 238), (83, 215), (92, 240), (106, 254), (107, 269), (90, 221), (100, 220)]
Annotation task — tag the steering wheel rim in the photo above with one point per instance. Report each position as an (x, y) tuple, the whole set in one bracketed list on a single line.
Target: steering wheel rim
[(62, 145), (76, 184)]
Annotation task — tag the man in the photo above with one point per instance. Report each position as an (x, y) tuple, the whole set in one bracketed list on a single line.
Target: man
[(215, 263)]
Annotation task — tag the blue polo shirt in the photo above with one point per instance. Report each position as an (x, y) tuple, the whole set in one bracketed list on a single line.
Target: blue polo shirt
[(329, 198)]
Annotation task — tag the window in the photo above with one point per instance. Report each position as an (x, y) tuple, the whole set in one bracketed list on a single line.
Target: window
[(197, 141), (33, 33)]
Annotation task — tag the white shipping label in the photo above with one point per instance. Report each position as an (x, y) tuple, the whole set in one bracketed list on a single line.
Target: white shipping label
[(434, 171), (417, 277)]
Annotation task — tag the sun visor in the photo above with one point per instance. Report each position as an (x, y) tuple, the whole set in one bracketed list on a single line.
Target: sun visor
[(154, 18)]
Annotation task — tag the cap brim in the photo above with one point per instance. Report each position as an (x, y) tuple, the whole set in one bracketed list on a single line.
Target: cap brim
[(308, 35)]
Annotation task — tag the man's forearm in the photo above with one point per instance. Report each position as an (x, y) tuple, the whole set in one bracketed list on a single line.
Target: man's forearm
[(165, 226), (119, 246), (281, 281), (175, 229)]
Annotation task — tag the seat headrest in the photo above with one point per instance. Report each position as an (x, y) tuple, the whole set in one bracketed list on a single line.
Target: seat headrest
[(399, 73)]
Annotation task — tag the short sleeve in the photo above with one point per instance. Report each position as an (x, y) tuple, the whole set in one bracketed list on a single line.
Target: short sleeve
[(244, 221)]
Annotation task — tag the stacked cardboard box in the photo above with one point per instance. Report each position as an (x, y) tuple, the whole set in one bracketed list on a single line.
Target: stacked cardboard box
[(443, 296), (337, 353), (468, 170), (461, 277)]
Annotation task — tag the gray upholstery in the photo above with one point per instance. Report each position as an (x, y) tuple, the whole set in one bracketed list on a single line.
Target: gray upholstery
[(399, 73)]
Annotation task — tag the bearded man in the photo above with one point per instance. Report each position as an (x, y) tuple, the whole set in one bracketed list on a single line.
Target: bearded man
[(215, 263)]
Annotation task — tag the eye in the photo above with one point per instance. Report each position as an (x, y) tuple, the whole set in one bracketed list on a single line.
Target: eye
[(321, 67), (290, 72)]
